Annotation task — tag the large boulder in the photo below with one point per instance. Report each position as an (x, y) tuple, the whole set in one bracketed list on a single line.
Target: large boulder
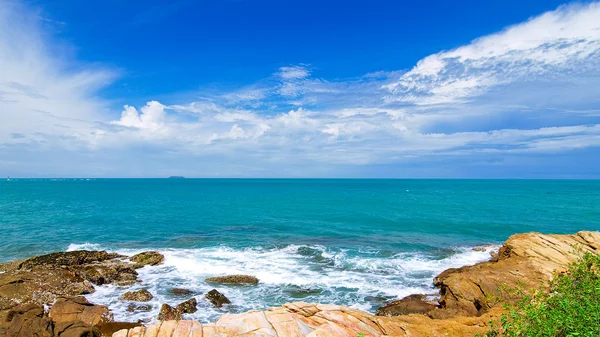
[(216, 298), (233, 279), (147, 259), (525, 261), (137, 296), (74, 309), (413, 304)]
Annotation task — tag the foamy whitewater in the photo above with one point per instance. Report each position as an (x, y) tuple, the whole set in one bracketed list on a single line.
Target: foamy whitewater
[(286, 274)]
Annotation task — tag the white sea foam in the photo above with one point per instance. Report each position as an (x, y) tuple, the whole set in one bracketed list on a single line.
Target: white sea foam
[(83, 246), (361, 279)]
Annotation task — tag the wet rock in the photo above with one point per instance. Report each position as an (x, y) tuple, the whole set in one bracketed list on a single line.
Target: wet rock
[(79, 309), (132, 307), (233, 279), (187, 307), (168, 313), (147, 259), (26, 320), (181, 292), (413, 304), (216, 298), (137, 296)]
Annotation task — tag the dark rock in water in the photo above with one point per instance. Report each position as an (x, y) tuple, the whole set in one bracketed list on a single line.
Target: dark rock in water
[(75, 309), (137, 296), (187, 307), (132, 307), (413, 304), (181, 292), (147, 259), (26, 320), (299, 292), (168, 313), (233, 279), (216, 298)]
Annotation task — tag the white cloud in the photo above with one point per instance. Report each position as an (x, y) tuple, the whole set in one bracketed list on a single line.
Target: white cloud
[(531, 89), (152, 116), (564, 42)]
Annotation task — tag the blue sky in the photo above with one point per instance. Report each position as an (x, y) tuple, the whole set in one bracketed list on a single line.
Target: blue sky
[(300, 89)]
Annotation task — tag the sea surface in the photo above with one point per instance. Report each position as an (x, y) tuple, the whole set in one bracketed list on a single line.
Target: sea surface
[(351, 242)]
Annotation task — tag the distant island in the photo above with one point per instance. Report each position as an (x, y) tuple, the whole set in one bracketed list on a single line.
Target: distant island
[(176, 177)]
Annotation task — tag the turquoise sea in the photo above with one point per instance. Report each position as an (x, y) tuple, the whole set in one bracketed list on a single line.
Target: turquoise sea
[(351, 242)]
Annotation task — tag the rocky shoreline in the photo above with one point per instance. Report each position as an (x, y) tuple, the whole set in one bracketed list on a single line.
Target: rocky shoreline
[(43, 296)]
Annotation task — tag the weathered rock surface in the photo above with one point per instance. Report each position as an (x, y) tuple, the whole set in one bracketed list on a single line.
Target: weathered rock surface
[(233, 279), (147, 259), (142, 295), (216, 298), (530, 258), (413, 304)]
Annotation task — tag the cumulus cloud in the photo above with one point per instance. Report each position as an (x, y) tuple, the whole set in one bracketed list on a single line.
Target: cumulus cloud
[(152, 116)]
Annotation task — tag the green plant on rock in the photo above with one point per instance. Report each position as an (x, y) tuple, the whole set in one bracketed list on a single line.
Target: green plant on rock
[(569, 307)]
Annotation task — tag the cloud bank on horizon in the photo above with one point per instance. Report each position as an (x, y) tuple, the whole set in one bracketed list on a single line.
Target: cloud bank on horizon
[(522, 102)]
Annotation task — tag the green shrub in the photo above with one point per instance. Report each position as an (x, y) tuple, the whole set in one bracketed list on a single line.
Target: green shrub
[(569, 307)]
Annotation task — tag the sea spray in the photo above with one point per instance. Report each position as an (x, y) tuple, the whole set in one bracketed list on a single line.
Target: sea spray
[(363, 278)]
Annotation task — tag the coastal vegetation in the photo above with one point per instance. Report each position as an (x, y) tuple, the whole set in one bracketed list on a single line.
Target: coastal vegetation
[(569, 306)]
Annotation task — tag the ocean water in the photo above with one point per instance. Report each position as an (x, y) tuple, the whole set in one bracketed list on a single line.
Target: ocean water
[(351, 242)]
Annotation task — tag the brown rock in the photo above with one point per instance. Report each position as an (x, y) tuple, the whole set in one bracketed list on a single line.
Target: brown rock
[(147, 259), (137, 296), (233, 279), (25, 321), (217, 298), (75, 258), (413, 304), (168, 313), (181, 292), (108, 272), (187, 307), (74, 309)]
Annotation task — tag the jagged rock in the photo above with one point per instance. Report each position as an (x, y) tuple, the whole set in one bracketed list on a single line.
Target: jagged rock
[(75, 309), (187, 307), (147, 259), (76, 329), (181, 292), (168, 313), (108, 272), (233, 279), (413, 304), (137, 296), (132, 307), (216, 298)]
